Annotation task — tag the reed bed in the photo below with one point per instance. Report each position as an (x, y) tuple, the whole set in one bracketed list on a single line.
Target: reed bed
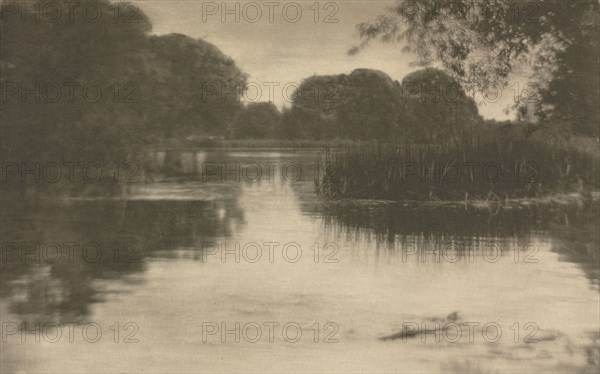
[(474, 170)]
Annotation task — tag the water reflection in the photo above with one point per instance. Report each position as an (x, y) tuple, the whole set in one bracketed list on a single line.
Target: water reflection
[(498, 264), (151, 272), (573, 231), (56, 250)]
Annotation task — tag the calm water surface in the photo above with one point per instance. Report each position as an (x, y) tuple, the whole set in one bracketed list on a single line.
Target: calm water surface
[(348, 276)]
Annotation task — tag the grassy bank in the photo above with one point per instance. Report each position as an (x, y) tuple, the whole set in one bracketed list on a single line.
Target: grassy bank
[(477, 170)]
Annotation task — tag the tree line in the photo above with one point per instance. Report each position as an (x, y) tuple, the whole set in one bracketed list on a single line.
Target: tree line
[(427, 106), (97, 89)]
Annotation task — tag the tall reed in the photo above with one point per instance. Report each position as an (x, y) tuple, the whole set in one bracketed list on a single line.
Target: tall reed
[(473, 169)]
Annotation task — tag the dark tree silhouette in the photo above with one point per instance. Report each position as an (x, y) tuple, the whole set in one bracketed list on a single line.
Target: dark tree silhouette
[(437, 108), (258, 120)]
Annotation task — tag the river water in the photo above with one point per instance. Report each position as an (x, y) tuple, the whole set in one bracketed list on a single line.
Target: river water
[(223, 272)]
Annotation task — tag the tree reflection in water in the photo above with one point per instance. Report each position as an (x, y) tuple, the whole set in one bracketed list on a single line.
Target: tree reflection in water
[(51, 261)]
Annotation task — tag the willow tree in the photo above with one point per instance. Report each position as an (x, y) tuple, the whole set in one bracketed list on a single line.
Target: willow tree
[(363, 105), (437, 108), (482, 42)]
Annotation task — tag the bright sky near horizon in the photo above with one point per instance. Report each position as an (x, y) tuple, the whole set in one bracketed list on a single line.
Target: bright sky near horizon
[(279, 43)]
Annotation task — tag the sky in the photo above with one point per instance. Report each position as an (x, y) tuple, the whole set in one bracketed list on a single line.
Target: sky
[(279, 43)]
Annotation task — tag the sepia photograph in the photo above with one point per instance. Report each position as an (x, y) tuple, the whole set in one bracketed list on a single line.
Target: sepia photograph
[(309, 186)]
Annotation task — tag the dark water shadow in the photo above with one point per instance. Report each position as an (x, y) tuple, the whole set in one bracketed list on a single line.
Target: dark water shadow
[(573, 231), (54, 251)]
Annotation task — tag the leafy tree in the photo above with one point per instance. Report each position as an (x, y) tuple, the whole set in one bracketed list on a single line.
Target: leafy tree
[(370, 106), (140, 88), (437, 107), (481, 42), (192, 86), (54, 60), (313, 114), (573, 93), (364, 105)]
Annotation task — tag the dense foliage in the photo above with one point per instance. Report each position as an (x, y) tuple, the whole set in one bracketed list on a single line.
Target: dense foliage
[(369, 105), (482, 42), (84, 81)]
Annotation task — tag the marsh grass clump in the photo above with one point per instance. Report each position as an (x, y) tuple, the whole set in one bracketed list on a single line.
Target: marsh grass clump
[(477, 169)]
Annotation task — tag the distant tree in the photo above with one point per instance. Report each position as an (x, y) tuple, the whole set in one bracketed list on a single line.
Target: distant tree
[(258, 121), (191, 86), (313, 114), (320, 93), (371, 106), (364, 105), (437, 108), (299, 122)]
